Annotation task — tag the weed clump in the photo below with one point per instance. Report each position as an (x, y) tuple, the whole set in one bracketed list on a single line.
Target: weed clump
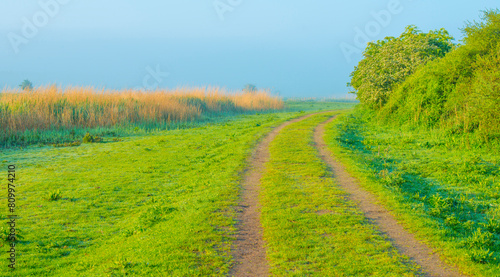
[(55, 195), (88, 138)]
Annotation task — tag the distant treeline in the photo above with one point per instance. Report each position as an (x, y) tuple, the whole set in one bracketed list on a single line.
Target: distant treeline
[(425, 80), (322, 99)]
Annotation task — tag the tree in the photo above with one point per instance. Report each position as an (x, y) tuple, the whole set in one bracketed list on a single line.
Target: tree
[(26, 85), (390, 61), (250, 88), (460, 92)]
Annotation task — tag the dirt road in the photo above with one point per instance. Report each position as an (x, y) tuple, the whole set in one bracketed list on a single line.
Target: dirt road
[(249, 250)]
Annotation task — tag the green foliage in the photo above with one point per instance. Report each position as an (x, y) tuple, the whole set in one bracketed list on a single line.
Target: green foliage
[(250, 88), (459, 93), (481, 255), (88, 138), (390, 61), (155, 213), (26, 85), (5, 234), (67, 144)]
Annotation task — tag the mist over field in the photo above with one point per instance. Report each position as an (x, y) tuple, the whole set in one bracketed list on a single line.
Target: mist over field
[(123, 63), (295, 48)]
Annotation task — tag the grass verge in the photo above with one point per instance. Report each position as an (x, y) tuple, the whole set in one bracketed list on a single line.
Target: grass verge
[(444, 192)]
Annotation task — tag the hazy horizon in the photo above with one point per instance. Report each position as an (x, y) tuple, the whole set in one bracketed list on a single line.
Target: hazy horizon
[(293, 47)]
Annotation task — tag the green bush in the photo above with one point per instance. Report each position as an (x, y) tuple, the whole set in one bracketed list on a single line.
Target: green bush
[(88, 138), (458, 93), (390, 61)]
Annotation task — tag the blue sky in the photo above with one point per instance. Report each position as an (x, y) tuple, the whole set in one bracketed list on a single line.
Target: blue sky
[(299, 48)]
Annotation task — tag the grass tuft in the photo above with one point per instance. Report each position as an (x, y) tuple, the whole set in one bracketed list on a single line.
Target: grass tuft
[(54, 195)]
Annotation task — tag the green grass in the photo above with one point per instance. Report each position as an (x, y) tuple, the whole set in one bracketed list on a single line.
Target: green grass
[(311, 229), (442, 188), (143, 202), (293, 105), (149, 205)]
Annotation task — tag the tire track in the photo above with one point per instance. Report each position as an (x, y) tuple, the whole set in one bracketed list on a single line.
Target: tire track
[(249, 251), (404, 241)]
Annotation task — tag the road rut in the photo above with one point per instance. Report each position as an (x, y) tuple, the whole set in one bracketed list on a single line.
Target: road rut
[(404, 241)]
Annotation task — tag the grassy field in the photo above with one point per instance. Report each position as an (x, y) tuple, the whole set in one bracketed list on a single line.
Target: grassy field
[(311, 105), (442, 188), (164, 201), (309, 226), (143, 205)]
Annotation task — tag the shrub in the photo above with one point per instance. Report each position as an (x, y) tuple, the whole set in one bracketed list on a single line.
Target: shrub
[(88, 138), (390, 61), (250, 88), (459, 92)]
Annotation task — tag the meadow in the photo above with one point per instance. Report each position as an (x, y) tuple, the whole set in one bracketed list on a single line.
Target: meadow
[(146, 184), (162, 202), (142, 206), (148, 204)]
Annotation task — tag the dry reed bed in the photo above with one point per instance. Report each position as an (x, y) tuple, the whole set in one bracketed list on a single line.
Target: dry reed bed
[(53, 108)]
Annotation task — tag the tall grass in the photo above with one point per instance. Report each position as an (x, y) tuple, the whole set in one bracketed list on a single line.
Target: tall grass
[(52, 108)]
